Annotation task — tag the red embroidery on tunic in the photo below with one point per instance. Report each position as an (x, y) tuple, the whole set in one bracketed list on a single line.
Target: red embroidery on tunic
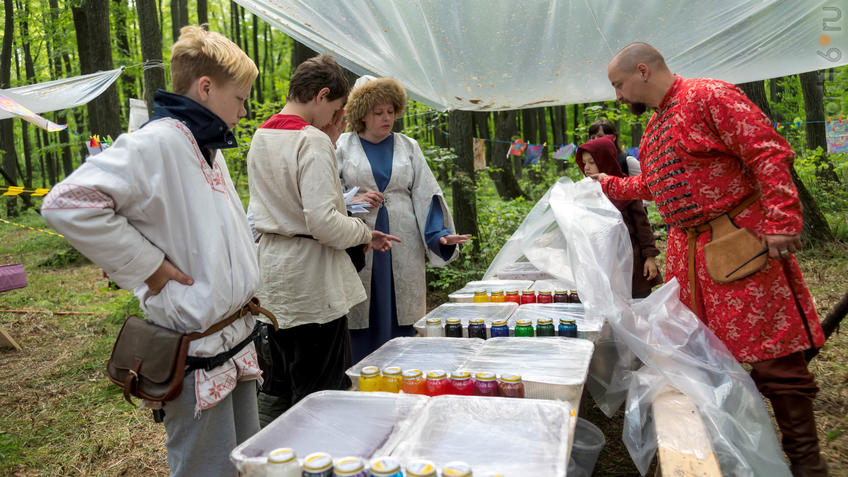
[(72, 196), (215, 177)]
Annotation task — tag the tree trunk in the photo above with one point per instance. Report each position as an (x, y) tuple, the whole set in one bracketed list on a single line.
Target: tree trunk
[(151, 50), (635, 133), (7, 135), (299, 54), (500, 168), (812, 87), (464, 184), (202, 12), (542, 123), (258, 86), (29, 155), (91, 22), (124, 55), (179, 17), (815, 228)]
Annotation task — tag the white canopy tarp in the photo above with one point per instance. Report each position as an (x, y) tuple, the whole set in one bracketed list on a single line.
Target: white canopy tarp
[(62, 93), (503, 54)]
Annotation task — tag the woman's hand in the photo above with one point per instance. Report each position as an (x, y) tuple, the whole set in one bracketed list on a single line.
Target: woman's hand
[(597, 176), (454, 239), (381, 242), (165, 273), (336, 126), (650, 269), (372, 198)]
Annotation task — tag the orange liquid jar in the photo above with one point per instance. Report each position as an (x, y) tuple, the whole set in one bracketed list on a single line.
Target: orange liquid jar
[(413, 382)]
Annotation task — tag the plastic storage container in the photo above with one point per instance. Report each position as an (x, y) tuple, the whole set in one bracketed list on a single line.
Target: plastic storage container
[(587, 445)]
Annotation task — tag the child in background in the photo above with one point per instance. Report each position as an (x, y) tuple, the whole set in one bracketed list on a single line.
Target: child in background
[(159, 213), (600, 155)]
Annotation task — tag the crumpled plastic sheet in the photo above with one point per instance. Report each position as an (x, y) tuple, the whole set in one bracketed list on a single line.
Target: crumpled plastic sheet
[(552, 285), (466, 293), (467, 311), (509, 437), (587, 327), (324, 422), (523, 271), (665, 335)]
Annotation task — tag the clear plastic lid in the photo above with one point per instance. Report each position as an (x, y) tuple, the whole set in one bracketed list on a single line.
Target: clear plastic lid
[(369, 371), (391, 371), (317, 462), (511, 378), (434, 321), (485, 376), (456, 469), (348, 466), (528, 292), (499, 323), (420, 468), (512, 292), (524, 322), (412, 374), (460, 375), (544, 321), (384, 466), (437, 374), (281, 455), (545, 292), (453, 321), (477, 321), (497, 292)]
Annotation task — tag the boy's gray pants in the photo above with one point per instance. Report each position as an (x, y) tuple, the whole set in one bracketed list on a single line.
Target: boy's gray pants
[(202, 446)]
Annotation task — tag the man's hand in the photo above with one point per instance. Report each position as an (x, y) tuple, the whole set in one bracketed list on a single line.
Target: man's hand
[(781, 246), (336, 126), (650, 269), (454, 239), (372, 198), (166, 272), (381, 242), (597, 176)]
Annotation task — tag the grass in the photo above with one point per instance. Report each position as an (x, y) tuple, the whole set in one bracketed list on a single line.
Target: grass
[(59, 415)]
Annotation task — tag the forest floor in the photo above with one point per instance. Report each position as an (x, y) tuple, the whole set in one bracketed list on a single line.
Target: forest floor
[(59, 415)]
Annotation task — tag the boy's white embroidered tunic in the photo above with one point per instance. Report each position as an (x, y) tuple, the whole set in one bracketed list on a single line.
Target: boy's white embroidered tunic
[(153, 195)]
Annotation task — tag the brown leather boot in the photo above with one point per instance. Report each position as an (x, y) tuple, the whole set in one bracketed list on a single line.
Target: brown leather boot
[(800, 442)]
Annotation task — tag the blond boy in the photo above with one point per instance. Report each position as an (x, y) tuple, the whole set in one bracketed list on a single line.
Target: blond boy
[(159, 213)]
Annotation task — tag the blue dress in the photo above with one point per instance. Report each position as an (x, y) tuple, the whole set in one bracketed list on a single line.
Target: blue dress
[(382, 316)]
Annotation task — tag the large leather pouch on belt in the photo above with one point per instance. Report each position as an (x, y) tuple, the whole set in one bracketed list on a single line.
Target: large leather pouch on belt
[(733, 252), (148, 361)]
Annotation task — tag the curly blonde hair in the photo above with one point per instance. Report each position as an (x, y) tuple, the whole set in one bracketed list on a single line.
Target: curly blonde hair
[(199, 52), (364, 98)]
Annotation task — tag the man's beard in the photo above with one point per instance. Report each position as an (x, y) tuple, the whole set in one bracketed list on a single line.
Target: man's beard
[(637, 108)]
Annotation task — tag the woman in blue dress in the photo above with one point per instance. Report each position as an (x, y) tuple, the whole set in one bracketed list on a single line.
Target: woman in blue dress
[(404, 198)]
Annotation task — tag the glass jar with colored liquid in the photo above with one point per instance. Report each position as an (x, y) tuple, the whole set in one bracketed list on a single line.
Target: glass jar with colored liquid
[(574, 297), (481, 297), (485, 384), (456, 469), (497, 296), (524, 328), (512, 296), (460, 383), (385, 467), (282, 463), (511, 386), (350, 467), (477, 328), (436, 383), (318, 464), (434, 327), (413, 382), (545, 327), (545, 297), (392, 380), (421, 468), (567, 328), (369, 379), (561, 296), (499, 329), (528, 297), (453, 328)]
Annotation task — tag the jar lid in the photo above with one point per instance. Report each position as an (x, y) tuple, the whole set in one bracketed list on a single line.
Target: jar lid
[(544, 321), (281, 455), (391, 371), (528, 292), (412, 374), (434, 321), (498, 322), (453, 321), (384, 466), (524, 322), (460, 375), (476, 321), (369, 371), (561, 292), (568, 321), (437, 374), (511, 378), (512, 292), (420, 468), (485, 376), (456, 469), (318, 462), (348, 466), (481, 292), (497, 292), (545, 292), (573, 291)]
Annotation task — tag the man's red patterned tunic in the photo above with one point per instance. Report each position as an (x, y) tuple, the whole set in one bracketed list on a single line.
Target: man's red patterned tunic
[(705, 149)]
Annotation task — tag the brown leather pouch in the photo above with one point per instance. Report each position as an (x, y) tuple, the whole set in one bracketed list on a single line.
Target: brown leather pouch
[(733, 252), (148, 361)]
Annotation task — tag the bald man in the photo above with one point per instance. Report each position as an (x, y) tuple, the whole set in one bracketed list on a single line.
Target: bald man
[(709, 151)]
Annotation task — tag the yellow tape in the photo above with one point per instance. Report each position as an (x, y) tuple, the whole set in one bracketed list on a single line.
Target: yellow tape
[(31, 228), (17, 190), (13, 190)]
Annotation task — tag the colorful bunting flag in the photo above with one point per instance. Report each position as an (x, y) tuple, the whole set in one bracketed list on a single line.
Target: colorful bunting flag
[(534, 152), (518, 147), (837, 136), (564, 152)]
